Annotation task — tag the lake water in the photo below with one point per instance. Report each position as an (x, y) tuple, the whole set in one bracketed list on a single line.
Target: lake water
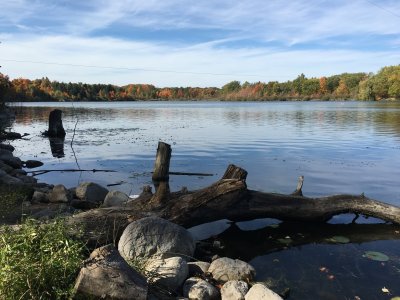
[(339, 147)]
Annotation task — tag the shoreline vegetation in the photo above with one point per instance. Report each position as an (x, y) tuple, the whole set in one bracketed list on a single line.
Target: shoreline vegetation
[(385, 85)]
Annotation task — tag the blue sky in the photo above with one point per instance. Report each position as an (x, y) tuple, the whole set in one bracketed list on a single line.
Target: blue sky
[(195, 43)]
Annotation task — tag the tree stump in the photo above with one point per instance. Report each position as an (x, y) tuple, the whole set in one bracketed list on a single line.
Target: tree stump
[(56, 128), (161, 165)]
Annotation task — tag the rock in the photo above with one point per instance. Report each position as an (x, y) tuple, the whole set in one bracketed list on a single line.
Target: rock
[(27, 179), (225, 269), (9, 180), (7, 147), (11, 135), (234, 290), (155, 236), (198, 267), (199, 289), (82, 204), (30, 164), (40, 197), (60, 194), (261, 292), (4, 153), (170, 273), (18, 172), (5, 167), (115, 198), (106, 275), (92, 192), (14, 162)]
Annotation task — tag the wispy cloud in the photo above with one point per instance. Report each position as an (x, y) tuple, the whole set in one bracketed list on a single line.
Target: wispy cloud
[(270, 39)]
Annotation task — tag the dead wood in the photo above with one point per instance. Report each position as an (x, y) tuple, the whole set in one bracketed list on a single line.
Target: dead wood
[(228, 198)]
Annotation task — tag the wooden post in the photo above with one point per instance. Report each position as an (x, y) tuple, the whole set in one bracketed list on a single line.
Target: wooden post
[(56, 128), (298, 191), (161, 165)]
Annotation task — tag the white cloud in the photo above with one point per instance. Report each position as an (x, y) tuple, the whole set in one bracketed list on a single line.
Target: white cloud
[(239, 64)]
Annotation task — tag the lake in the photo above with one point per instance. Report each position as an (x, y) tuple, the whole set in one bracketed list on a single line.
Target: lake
[(339, 147)]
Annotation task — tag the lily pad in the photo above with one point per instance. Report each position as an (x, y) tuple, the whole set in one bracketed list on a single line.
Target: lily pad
[(375, 255), (395, 298), (274, 225), (339, 239)]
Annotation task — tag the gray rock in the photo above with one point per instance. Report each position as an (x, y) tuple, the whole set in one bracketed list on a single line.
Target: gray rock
[(170, 273), (30, 164), (107, 276), (92, 192), (198, 267), (4, 154), (27, 179), (17, 172), (199, 289), (60, 194), (14, 162), (7, 147), (5, 167), (40, 197), (234, 290), (261, 292), (115, 198), (225, 269), (9, 180), (151, 236)]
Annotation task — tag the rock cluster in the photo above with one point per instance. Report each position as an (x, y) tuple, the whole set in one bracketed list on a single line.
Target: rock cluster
[(162, 251)]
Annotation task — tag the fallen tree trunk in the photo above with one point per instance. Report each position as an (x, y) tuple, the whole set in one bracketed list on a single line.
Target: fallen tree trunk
[(230, 199)]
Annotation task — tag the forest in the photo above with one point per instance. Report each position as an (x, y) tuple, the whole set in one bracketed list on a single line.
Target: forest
[(347, 86)]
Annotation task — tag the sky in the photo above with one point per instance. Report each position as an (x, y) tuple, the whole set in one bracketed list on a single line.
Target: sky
[(195, 42)]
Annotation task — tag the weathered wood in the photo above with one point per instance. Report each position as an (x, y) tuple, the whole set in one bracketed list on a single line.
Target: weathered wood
[(161, 164), (41, 172), (56, 128), (229, 198), (298, 191)]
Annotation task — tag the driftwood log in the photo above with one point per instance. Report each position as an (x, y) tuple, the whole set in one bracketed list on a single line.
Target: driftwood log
[(228, 198)]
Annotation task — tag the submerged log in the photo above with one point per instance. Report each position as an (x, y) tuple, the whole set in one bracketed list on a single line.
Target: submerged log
[(228, 198), (56, 129)]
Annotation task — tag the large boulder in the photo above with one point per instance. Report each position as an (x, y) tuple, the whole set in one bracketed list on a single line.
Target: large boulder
[(199, 289), (261, 292), (40, 197), (106, 275), (234, 290), (4, 154), (170, 273), (115, 198), (5, 167), (153, 236), (60, 194), (92, 192), (225, 269)]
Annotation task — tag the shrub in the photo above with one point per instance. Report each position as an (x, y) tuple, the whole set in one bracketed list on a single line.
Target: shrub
[(38, 261)]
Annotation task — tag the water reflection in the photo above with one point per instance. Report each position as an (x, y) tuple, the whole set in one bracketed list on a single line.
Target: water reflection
[(57, 147)]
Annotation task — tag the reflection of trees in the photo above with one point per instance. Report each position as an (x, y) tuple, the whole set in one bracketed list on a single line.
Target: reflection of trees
[(250, 244)]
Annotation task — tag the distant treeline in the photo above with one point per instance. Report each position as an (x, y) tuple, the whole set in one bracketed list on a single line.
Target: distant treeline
[(358, 86)]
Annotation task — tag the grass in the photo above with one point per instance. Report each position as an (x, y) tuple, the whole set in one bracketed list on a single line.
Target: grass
[(38, 261), (11, 198)]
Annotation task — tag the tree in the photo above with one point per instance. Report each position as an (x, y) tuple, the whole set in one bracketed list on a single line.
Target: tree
[(232, 86), (4, 88)]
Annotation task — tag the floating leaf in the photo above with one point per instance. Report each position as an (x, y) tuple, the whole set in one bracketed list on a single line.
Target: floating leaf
[(274, 225), (374, 255), (339, 239), (385, 290), (395, 298)]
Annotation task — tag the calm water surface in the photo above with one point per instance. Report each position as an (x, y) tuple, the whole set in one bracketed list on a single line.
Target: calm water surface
[(340, 147)]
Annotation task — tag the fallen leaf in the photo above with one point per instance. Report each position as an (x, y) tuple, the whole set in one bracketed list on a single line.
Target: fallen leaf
[(324, 269), (331, 277), (385, 290)]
